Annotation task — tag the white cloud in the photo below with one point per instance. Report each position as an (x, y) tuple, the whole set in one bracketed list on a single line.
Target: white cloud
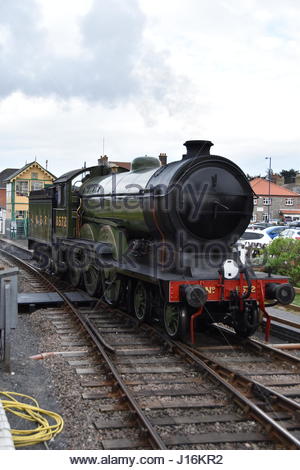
[(100, 55), (69, 133)]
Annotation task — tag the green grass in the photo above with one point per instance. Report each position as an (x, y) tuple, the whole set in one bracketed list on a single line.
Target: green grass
[(297, 300)]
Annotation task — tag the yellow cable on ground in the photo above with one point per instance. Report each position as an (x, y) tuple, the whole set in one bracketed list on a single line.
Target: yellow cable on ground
[(44, 430)]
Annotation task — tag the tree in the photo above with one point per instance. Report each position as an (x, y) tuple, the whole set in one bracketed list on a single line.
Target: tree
[(289, 175), (249, 177), (282, 256)]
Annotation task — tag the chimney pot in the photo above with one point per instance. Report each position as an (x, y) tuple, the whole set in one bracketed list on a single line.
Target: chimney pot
[(103, 160), (163, 158)]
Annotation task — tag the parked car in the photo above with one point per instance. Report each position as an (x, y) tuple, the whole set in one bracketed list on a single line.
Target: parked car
[(274, 231), (295, 224), (275, 222), (258, 226), (291, 233), (255, 238)]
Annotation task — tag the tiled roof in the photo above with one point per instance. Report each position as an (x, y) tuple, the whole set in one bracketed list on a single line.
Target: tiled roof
[(261, 187), (4, 174)]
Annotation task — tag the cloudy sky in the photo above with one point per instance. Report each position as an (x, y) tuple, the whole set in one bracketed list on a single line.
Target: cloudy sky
[(146, 75)]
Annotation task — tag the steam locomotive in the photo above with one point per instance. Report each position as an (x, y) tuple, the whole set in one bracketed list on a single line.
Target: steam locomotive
[(160, 240)]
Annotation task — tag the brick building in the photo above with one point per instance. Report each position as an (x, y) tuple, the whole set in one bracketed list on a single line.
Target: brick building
[(274, 202)]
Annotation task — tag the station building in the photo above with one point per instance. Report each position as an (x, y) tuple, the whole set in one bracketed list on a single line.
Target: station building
[(31, 177)]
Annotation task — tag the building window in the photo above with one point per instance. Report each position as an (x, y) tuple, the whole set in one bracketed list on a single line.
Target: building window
[(265, 217), (267, 201), (289, 201), (36, 185), (34, 176), (22, 188), (20, 214), (254, 218), (255, 199), (61, 195)]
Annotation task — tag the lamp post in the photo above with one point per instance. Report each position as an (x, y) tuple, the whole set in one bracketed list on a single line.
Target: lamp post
[(269, 177)]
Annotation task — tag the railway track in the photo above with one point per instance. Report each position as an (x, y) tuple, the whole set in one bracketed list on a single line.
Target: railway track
[(194, 386), (257, 369), (162, 394), (14, 250)]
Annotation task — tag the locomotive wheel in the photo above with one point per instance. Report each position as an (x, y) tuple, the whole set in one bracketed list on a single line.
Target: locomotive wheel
[(42, 257), (111, 291), (74, 276), (58, 264), (247, 321), (175, 320), (92, 281), (142, 302), (128, 296), (112, 286), (76, 262)]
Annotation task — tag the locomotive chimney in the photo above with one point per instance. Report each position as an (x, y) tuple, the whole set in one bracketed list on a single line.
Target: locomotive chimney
[(163, 159), (196, 148)]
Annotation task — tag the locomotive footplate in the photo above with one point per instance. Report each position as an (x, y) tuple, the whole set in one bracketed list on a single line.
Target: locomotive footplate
[(221, 290), (241, 298)]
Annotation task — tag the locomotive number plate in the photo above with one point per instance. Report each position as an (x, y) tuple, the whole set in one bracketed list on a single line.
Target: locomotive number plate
[(61, 221)]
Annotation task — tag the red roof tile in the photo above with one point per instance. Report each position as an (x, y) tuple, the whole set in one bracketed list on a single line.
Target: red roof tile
[(261, 187), (126, 165)]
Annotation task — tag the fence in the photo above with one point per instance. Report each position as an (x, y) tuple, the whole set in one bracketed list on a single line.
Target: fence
[(16, 229)]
